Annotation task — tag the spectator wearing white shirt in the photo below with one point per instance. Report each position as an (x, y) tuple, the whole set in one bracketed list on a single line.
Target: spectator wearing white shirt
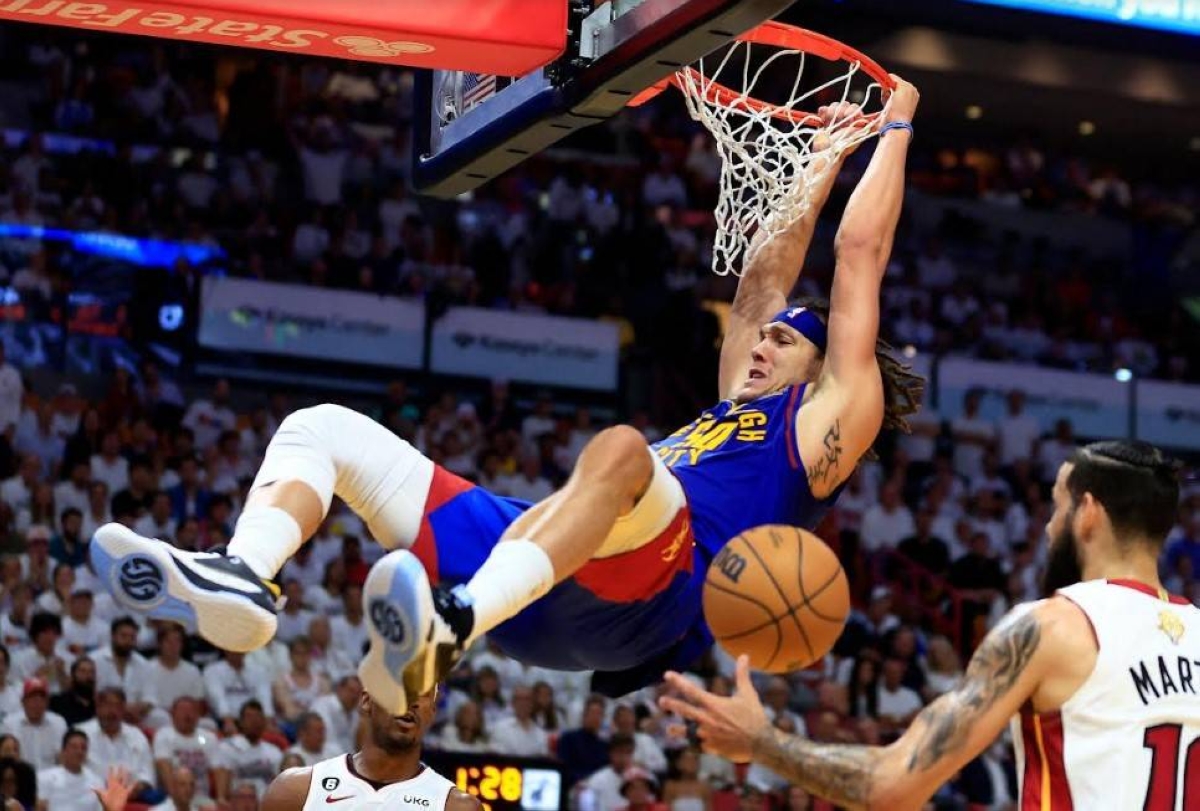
[(181, 793), (935, 270), (83, 632), (776, 696), (120, 665), (339, 711), (1056, 449), (350, 629), (887, 523), (112, 742), (230, 683), (68, 786), (74, 491), (170, 676), (38, 730), (109, 466), (663, 186), (183, 744), (12, 391), (517, 734), (158, 522), (467, 731), (246, 757), (46, 659), (10, 688), (209, 418), (96, 512), (14, 623), (328, 658), (605, 784), (541, 421), (897, 705), (324, 164), (17, 491), (646, 751), (311, 744), (295, 618), (1017, 431), (305, 567), (529, 484), (39, 439), (972, 436)]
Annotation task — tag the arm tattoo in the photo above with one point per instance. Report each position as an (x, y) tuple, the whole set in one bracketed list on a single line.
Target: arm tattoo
[(994, 669), (823, 469), (840, 773)]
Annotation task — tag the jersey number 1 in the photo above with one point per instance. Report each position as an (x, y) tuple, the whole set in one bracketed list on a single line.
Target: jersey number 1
[(1163, 741)]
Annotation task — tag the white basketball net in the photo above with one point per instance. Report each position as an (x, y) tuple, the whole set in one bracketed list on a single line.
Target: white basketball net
[(770, 164)]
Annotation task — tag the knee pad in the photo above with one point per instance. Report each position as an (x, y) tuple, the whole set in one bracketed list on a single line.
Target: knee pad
[(335, 450)]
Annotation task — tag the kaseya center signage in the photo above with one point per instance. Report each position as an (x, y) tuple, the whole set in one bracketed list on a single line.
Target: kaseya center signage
[(526, 347)]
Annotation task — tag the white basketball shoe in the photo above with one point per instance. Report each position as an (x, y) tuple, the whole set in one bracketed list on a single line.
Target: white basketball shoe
[(210, 593), (417, 632)]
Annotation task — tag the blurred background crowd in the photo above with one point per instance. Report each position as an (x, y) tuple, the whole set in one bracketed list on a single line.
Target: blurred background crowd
[(297, 170)]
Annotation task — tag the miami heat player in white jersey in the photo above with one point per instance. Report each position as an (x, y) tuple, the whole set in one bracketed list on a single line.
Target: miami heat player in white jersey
[(1130, 735), (335, 783)]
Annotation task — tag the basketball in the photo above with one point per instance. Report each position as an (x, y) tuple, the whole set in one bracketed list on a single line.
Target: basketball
[(777, 594)]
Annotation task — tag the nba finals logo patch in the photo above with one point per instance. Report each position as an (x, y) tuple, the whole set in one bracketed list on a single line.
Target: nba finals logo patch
[(1171, 625)]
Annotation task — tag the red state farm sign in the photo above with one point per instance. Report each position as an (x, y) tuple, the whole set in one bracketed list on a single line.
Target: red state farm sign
[(503, 37)]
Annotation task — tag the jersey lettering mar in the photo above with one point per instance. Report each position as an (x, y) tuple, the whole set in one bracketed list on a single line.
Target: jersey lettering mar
[(1130, 735)]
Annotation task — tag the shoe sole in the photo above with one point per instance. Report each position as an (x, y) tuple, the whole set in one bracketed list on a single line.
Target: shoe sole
[(144, 577), (398, 605)]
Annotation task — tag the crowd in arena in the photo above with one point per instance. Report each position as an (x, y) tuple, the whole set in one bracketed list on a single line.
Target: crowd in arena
[(965, 502), (290, 175)]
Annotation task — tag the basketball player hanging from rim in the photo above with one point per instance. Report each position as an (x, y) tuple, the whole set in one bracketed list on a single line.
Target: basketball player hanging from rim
[(605, 574)]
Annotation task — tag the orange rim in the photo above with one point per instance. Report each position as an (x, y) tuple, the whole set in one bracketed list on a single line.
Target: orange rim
[(778, 35)]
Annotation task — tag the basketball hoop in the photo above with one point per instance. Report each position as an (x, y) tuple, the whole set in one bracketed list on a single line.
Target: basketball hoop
[(770, 161)]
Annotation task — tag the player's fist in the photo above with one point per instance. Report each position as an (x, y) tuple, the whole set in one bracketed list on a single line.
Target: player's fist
[(902, 102)]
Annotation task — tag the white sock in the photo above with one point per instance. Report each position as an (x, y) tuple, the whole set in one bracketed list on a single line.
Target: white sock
[(265, 537), (514, 575)]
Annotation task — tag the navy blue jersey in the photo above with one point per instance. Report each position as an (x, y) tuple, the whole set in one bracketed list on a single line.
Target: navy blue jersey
[(632, 616), (740, 468)]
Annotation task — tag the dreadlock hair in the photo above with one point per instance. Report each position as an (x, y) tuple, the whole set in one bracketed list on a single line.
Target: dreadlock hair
[(903, 389), (1135, 482)]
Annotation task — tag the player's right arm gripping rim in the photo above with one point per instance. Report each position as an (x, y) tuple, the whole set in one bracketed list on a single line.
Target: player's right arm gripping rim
[(1003, 675)]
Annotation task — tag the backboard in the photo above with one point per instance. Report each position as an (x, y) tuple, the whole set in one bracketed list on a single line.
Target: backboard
[(470, 127)]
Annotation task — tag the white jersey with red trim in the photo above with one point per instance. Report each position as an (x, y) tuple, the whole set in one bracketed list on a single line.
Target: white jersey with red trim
[(337, 786), (1129, 738)]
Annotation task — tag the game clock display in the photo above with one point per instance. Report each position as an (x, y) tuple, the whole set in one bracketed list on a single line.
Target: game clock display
[(503, 783)]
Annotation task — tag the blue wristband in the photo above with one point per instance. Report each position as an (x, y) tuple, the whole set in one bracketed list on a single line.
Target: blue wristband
[(897, 125)]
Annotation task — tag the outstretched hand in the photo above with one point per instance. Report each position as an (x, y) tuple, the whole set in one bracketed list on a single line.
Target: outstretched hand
[(115, 794), (726, 726)]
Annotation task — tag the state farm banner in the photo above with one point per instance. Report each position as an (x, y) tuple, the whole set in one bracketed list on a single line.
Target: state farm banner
[(527, 347), (505, 37), (1097, 405), (1168, 414), (284, 319)]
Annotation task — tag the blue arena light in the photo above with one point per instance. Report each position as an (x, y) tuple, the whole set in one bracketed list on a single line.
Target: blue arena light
[(134, 250), (1180, 17)]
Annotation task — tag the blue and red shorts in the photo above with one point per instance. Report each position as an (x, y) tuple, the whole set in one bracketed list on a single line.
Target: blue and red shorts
[(614, 614)]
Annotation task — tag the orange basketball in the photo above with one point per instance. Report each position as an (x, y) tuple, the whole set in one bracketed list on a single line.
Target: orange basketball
[(777, 594)]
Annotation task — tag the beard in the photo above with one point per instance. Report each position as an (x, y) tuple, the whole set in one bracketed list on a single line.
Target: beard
[(1062, 563), (394, 743)]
